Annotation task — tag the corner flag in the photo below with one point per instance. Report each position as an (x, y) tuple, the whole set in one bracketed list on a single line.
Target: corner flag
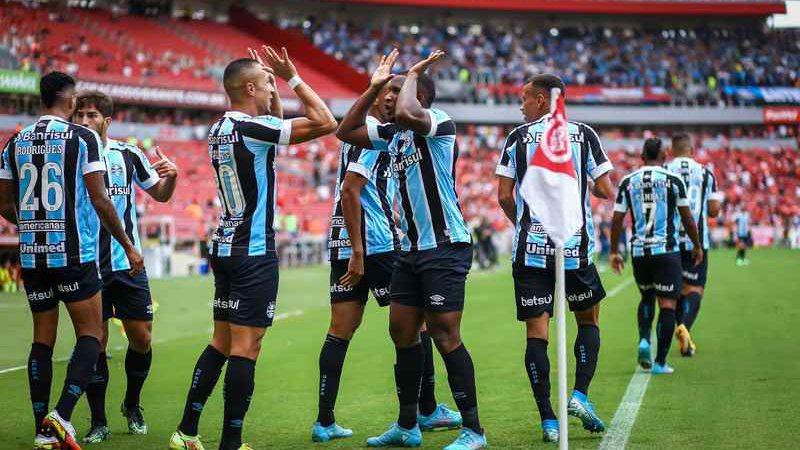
[(551, 189)]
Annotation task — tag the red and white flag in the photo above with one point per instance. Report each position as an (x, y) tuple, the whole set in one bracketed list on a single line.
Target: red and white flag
[(550, 186)]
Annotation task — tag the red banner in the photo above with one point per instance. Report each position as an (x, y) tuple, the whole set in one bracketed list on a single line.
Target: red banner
[(600, 94), (781, 114)]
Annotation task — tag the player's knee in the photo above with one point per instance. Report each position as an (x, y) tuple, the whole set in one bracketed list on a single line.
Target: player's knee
[(141, 340), (538, 327), (446, 338), (402, 335), (667, 303), (344, 328)]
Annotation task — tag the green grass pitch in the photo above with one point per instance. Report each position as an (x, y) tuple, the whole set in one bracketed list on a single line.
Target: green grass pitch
[(737, 392)]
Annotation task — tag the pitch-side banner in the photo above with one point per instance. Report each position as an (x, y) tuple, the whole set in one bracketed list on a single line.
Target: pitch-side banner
[(781, 114), (769, 95), (19, 82), (154, 95)]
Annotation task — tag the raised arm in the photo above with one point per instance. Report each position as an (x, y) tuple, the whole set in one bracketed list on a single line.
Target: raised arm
[(318, 120), (353, 128), (166, 173), (410, 114)]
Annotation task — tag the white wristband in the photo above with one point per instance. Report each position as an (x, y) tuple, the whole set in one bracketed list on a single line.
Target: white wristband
[(295, 81)]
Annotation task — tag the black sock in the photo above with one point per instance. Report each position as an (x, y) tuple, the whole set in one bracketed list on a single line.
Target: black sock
[(587, 348), (204, 378), (691, 307), (740, 253), (461, 376), (137, 366), (96, 391), (679, 308), (331, 361), (79, 371), (239, 385), (427, 395), (537, 366), (407, 378), (664, 331), (645, 315), (40, 377)]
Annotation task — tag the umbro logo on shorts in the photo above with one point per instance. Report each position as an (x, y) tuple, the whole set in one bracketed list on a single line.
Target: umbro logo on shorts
[(437, 300), (271, 310)]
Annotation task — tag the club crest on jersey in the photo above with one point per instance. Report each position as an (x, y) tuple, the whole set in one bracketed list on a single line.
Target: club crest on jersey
[(116, 169)]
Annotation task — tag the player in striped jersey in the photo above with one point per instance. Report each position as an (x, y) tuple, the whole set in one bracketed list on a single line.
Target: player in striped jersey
[(436, 250), (534, 254), (704, 201), (743, 236), (658, 204), (52, 186), (125, 297), (242, 146)]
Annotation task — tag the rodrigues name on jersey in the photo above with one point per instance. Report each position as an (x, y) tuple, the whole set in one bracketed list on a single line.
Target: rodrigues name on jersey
[(425, 166), (532, 247), (701, 187), (378, 230), (652, 195), (126, 165), (57, 223), (242, 150)]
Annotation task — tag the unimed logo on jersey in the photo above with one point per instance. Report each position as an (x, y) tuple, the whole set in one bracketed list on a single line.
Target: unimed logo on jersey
[(61, 247)]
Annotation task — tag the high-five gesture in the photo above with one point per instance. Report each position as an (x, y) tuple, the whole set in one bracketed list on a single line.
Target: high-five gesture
[(423, 65), (383, 73), (164, 166), (281, 64)]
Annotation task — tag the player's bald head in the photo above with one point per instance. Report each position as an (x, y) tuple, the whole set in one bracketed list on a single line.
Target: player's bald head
[(681, 144), (240, 72)]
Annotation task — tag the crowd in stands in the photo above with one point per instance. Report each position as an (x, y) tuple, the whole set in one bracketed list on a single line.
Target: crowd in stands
[(692, 64)]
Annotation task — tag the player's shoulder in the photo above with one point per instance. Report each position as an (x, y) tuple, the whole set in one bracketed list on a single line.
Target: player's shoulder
[(80, 130), (526, 130), (440, 114)]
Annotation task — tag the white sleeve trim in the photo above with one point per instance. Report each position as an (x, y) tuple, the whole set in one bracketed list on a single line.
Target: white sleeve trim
[(718, 196), (505, 171), (359, 169), (620, 208), (603, 168), (286, 132), (96, 166), (5, 174), (434, 123), (682, 202), (152, 181)]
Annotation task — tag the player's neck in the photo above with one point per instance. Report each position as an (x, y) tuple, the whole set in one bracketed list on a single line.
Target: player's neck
[(247, 108), (56, 112)]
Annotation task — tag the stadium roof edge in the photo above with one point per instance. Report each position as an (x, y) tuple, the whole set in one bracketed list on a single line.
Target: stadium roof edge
[(632, 7)]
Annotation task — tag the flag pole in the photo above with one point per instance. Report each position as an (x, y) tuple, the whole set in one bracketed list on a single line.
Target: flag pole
[(561, 337)]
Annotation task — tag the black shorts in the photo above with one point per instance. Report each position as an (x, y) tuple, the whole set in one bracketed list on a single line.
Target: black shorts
[(659, 274), (46, 287), (694, 275), (747, 240), (245, 289), (377, 277), (126, 297), (534, 290), (432, 279)]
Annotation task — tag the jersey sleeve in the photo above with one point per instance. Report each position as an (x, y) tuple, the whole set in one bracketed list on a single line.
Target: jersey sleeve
[(380, 134), (365, 164), (90, 148), (144, 174), (507, 164), (267, 129), (441, 124), (713, 192), (679, 187), (5, 160), (597, 163), (621, 204)]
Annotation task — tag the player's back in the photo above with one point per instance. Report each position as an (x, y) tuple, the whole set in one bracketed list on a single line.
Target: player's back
[(742, 221), (58, 225), (242, 150), (377, 196), (700, 188), (653, 194)]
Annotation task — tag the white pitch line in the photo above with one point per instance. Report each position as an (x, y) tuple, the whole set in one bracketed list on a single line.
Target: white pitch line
[(281, 316), (618, 288), (621, 425)]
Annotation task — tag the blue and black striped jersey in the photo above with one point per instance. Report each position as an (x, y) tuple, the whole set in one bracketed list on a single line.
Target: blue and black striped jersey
[(378, 230), (46, 161), (653, 195), (701, 187), (425, 166), (532, 246), (242, 150), (126, 165)]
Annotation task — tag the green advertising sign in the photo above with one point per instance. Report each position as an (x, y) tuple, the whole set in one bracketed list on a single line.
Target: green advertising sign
[(19, 82)]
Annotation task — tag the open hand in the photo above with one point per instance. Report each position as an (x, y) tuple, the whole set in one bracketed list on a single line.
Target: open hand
[(423, 65), (383, 73)]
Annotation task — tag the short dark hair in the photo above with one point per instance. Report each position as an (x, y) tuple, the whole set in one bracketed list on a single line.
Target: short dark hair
[(682, 142), (234, 68), (52, 85), (651, 149), (546, 82), (428, 87), (99, 100)]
